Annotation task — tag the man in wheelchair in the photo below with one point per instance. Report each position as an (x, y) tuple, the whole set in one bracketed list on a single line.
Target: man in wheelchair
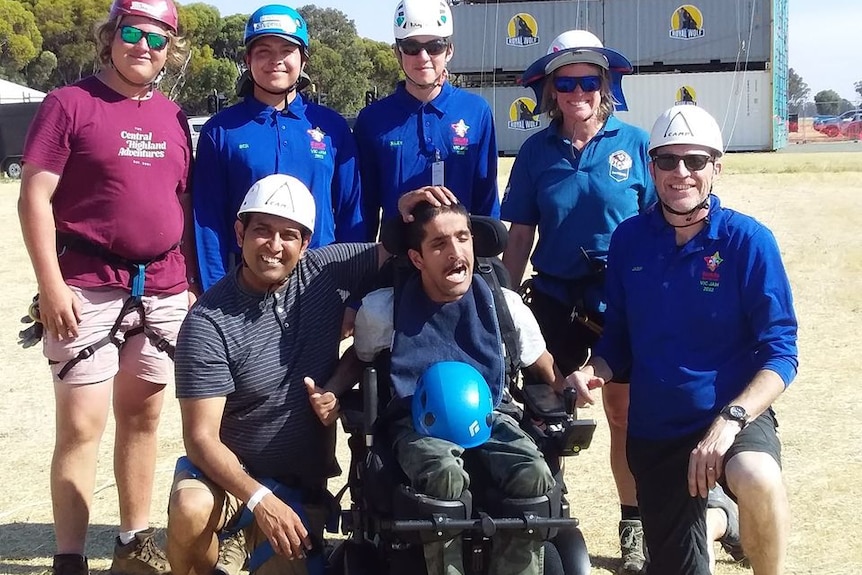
[(439, 335)]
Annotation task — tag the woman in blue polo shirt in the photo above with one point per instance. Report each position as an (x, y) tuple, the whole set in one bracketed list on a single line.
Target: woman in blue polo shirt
[(575, 182)]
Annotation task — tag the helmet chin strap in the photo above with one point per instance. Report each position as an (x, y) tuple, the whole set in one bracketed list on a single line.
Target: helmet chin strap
[(438, 81), (151, 84), (704, 205), (286, 92)]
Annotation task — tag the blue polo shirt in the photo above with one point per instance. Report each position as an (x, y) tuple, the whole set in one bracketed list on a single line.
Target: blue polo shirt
[(399, 139), (251, 140), (576, 199), (696, 322)]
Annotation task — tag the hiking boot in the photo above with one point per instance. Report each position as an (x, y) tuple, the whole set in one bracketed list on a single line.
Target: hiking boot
[(140, 556), (231, 555), (730, 541), (70, 564), (631, 547)]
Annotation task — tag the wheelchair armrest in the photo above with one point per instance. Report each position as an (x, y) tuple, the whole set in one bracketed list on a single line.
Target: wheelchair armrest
[(352, 413), (543, 402)]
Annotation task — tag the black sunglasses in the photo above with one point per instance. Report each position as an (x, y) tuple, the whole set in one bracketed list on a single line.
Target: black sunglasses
[(132, 35), (569, 83), (669, 162), (414, 47)]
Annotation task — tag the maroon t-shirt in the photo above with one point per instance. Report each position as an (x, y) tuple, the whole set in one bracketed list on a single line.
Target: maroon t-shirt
[(123, 164)]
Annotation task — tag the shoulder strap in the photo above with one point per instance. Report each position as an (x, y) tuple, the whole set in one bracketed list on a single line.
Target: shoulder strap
[(508, 333)]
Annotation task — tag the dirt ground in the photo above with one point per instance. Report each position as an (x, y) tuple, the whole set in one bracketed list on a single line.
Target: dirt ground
[(814, 213)]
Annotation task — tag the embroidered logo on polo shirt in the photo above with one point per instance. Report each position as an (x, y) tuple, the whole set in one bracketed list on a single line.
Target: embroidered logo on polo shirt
[(460, 142), (620, 165), (318, 143), (713, 261), (709, 280)]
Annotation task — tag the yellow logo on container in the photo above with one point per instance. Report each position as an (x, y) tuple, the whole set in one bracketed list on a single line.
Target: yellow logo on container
[(522, 115), (686, 95), (523, 30), (686, 23)]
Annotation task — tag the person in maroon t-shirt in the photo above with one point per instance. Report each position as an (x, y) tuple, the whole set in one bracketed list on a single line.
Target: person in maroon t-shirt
[(105, 213)]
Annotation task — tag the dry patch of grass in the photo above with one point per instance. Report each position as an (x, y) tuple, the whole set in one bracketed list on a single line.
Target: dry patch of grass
[(814, 213)]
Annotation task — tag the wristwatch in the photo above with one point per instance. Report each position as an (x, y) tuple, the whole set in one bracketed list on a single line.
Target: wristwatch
[(735, 413)]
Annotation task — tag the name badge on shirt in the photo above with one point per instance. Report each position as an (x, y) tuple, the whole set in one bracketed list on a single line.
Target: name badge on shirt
[(437, 173)]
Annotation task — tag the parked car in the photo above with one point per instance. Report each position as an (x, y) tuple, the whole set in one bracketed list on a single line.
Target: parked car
[(852, 129), (196, 123), (836, 125)]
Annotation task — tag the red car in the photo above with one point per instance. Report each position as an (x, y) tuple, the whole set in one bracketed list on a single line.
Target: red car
[(832, 127), (852, 129)]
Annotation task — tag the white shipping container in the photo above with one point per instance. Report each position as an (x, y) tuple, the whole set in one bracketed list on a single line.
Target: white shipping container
[(740, 101)]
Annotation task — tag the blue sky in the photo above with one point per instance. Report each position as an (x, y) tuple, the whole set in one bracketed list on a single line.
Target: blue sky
[(825, 37)]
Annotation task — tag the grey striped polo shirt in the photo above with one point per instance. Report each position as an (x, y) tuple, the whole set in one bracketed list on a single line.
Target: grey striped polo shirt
[(255, 350)]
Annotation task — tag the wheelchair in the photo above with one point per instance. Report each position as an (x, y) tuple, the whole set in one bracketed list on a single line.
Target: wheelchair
[(388, 522)]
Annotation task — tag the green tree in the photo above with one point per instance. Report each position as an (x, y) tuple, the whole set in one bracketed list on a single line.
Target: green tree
[(385, 70), (204, 75), (228, 43), (38, 71), (67, 32), (20, 39), (828, 102), (337, 66), (199, 22), (797, 91), (207, 70)]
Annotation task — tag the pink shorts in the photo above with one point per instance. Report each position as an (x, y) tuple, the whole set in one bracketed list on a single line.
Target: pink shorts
[(138, 356)]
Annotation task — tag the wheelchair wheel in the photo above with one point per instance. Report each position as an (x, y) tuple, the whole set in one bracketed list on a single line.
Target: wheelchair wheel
[(572, 551), (553, 561), (351, 558)]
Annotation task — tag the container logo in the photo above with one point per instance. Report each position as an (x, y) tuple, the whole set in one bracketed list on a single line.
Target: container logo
[(523, 30), (686, 95), (686, 23), (522, 115)]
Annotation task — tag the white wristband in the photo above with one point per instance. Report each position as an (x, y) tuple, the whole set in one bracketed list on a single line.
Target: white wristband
[(256, 497)]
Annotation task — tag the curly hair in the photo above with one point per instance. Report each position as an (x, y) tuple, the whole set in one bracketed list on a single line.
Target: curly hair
[(177, 48), (606, 105)]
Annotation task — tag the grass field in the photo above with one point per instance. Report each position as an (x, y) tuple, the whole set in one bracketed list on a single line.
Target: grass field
[(812, 203)]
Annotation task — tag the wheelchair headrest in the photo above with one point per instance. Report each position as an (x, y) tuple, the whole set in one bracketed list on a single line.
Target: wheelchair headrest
[(489, 236)]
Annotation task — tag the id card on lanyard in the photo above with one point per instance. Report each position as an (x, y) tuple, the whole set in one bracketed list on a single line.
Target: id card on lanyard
[(437, 170)]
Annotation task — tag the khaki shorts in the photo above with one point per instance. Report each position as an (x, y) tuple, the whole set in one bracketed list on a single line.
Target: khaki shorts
[(138, 356), (229, 504)]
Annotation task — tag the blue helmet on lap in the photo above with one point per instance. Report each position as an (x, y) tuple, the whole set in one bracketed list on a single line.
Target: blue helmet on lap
[(277, 20), (453, 402)]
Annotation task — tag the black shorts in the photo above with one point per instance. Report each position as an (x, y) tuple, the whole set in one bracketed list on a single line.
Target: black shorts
[(674, 522), (568, 340)]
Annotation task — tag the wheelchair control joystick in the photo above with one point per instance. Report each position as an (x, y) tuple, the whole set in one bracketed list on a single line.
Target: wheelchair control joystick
[(570, 398), (369, 389)]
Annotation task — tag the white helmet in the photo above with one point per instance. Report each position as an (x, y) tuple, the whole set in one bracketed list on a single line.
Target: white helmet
[(422, 18), (283, 196), (686, 124), (567, 42)]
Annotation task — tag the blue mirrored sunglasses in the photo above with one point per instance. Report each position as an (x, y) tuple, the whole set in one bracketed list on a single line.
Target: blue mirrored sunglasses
[(569, 83), (132, 35)]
